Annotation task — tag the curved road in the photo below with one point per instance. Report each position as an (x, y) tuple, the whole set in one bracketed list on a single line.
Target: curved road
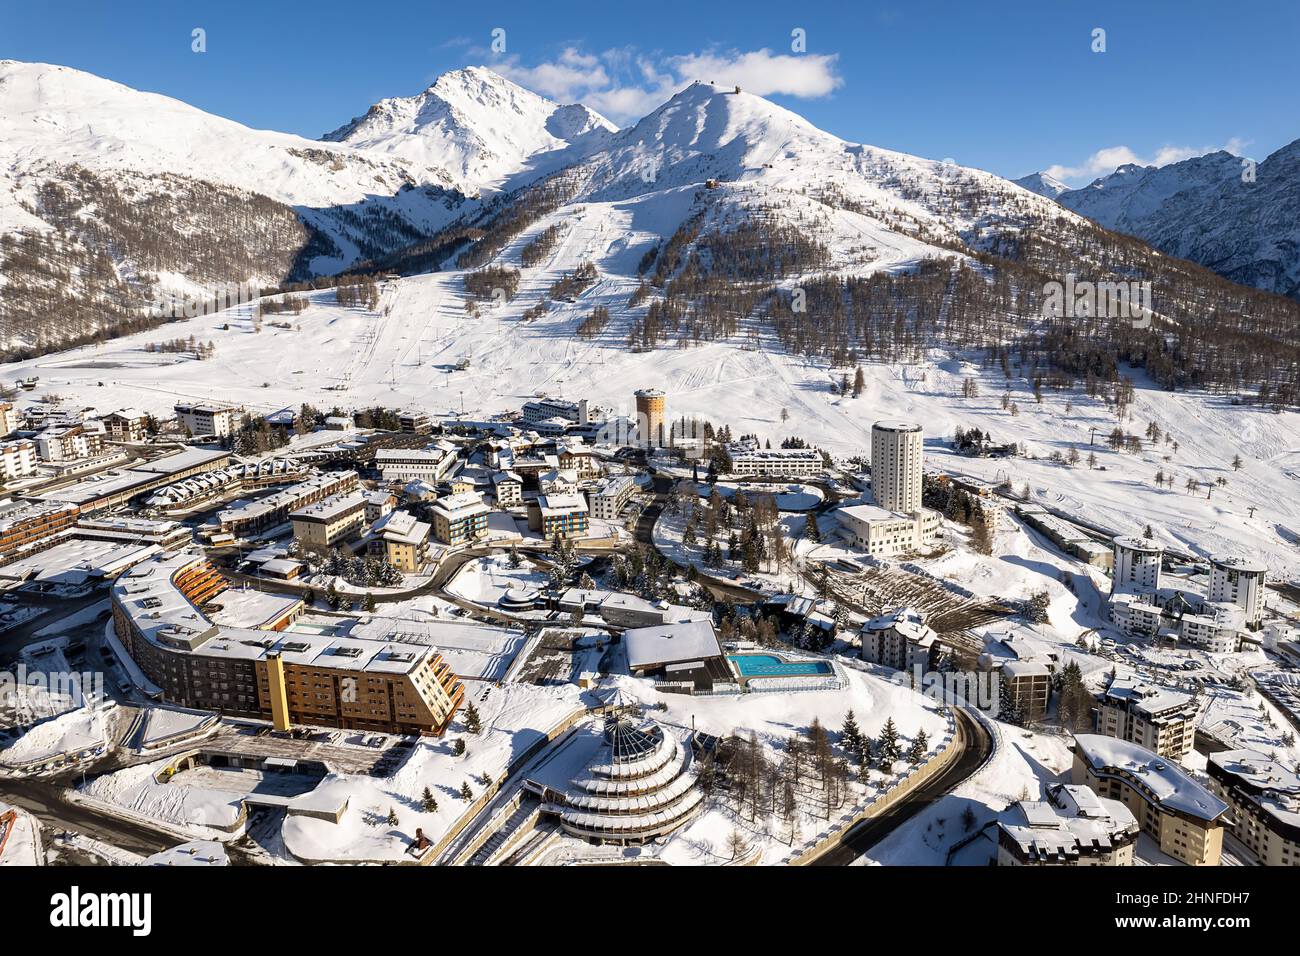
[(977, 747)]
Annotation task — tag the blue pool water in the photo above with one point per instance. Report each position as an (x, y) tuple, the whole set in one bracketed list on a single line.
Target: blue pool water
[(766, 665)]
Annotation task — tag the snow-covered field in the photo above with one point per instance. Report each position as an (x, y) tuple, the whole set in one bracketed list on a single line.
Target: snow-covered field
[(406, 355)]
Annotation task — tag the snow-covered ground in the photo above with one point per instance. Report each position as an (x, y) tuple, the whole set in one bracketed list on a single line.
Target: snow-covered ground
[(486, 580), (514, 716)]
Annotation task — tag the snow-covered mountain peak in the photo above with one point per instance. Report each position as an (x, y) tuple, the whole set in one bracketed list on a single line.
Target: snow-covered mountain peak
[(1042, 184), (476, 123)]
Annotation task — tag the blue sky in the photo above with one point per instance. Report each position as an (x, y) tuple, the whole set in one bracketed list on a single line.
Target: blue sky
[(1009, 87)]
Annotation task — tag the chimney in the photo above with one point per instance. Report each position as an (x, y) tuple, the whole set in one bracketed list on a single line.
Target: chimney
[(582, 411)]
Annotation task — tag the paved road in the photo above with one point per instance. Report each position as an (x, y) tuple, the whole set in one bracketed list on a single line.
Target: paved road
[(15, 639), (42, 799), (977, 746)]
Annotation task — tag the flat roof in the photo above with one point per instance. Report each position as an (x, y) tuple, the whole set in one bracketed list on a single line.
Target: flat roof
[(671, 644), (1234, 563), (167, 618), (330, 508), (182, 461)]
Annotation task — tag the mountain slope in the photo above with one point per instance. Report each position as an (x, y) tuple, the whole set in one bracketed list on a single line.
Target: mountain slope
[(478, 125), (79, 153), (707, 132), (1203, 210)]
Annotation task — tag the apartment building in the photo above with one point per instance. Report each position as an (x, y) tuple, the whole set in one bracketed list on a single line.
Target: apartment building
[(9, 419), (1071, 827), (1027, 688), (403, 540), (777, 462), (896, 462), (1239, 581), (27, 527), (458, 519), (165, 534), (274, 509), (899, 639), (1137, 565), (1265, 801), (322, 525), (413, 422), (208, 418), (1134, 615), (1157, 718), (578, 458), (1184, 818), (17, 459), (1218, 631), (608, 502), (509, 489), (128, 425), (559, 516), (68, 443), (378, 504)]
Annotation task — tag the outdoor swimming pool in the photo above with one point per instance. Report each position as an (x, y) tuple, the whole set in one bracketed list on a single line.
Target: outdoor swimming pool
[(767, 665)]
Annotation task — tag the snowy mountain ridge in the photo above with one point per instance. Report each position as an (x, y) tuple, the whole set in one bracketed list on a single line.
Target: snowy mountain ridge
[(1214, 210)]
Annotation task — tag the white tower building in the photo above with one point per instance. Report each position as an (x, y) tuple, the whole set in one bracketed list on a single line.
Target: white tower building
[(896, 466), (1137, 565), (1239, 581)]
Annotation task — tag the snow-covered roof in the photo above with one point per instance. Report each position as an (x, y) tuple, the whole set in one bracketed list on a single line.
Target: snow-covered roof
[(1270, 785), (670, 644), (1163, 782), (1073, 820)]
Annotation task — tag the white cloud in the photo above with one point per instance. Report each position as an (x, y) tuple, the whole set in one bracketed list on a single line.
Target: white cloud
[(806, 75), (1105, 161), (624, 84)]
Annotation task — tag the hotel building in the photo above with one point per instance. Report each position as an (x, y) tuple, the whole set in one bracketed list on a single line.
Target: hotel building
[(405, 464), (777, 462), (266, 673)]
